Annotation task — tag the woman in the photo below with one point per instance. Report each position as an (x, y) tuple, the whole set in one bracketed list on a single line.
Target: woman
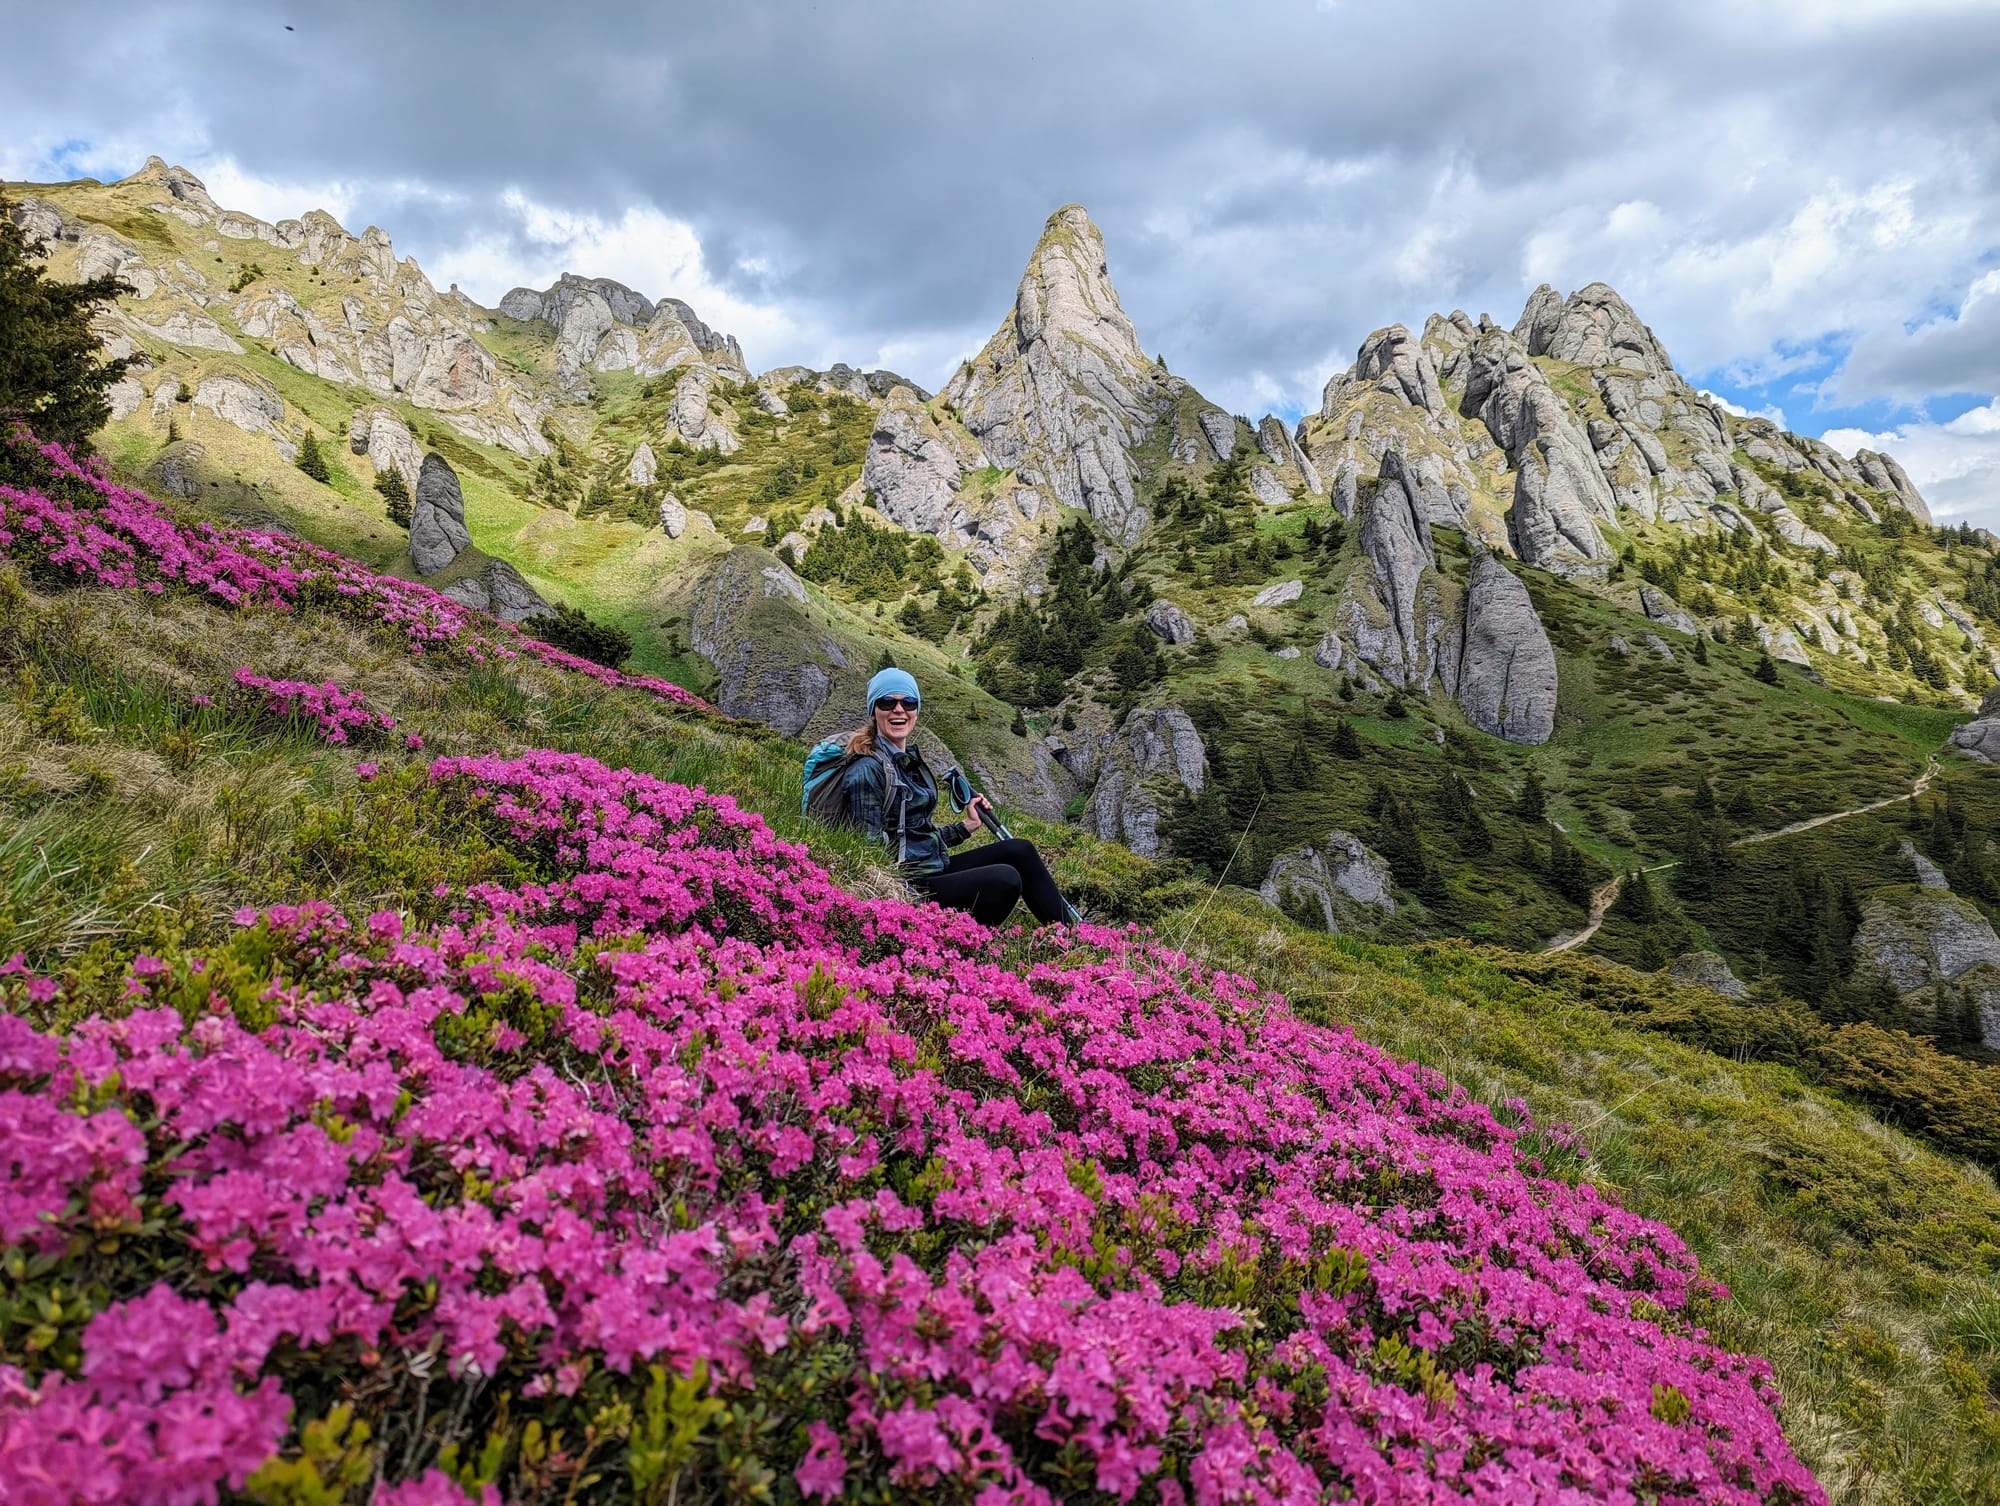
[(986, 880)]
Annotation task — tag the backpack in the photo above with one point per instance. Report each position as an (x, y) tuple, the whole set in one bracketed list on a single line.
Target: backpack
[(824, 789)]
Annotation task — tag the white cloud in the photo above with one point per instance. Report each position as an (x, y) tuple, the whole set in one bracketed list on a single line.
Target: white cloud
[(1957, 352), (1956, 465)]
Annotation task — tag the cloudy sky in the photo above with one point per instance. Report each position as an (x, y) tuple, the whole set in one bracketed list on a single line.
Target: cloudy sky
[(1802, 197)]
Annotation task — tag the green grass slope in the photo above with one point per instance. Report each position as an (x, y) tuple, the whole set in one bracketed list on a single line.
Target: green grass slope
[(1860, 1258)]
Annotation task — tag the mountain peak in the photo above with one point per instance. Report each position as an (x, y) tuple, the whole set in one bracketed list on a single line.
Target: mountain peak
[(1067, 289), (1594, 326)]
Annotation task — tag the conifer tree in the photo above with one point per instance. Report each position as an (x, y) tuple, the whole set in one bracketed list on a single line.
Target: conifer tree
[(395, 496), (312, 462), (1567, 875), (1532, 804), (1345, 742), (52, 375)]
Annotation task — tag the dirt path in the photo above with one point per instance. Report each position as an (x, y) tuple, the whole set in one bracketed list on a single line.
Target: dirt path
[(1604, 896)]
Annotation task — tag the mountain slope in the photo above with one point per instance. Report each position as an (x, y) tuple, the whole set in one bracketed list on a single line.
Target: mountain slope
[(1491, 553), (169, 792)]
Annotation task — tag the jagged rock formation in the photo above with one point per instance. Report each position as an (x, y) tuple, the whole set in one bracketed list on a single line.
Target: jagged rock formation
[(914, 474), (388, 331), (863, 386), (1063, 393), (1391, 614), (252, 406), (437, 517), (1338, 877), (603, 325), (1506, 667), (1154, 752)]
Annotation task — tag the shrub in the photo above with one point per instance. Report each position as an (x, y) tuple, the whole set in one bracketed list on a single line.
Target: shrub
[(574, 632), (395, 496)]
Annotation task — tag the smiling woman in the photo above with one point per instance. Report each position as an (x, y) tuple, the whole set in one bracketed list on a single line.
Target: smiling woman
[(877, 779)]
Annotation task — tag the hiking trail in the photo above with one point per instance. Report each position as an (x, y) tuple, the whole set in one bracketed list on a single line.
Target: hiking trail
[(1605, 895)]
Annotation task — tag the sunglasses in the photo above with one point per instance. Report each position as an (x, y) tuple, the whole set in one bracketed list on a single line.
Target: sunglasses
[(897, 702)]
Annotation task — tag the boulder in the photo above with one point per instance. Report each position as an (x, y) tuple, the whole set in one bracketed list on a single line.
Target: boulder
[(1706, 970), (1153, 753), (1339, 877), (176, 470), (643, 469), (1978, 739), (437, 517), (673, 516), (745, 618), (1170, 622), (1506, 666), (1279, 594), (1662, 608)]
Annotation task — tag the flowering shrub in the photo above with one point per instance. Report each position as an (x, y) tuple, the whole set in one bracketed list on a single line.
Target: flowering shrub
[(673, 1172), (340, 715), (82, 528)]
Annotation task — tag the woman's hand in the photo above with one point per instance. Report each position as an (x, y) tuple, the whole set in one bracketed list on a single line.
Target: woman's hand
[(972, 810)]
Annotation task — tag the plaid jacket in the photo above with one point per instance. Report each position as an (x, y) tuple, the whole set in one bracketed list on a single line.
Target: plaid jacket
[(868, 805)]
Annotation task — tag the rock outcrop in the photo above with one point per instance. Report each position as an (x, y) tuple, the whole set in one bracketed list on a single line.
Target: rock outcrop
[(914, 468), (642, 469), (437, 517), (1506, 667), (385, 439), (1924, 939), (603, 325), (1170, 622), (1339, 878), (1706, 970), (499, 589), (744, 618), (692, 418), (1153, 755), (1063, 393)]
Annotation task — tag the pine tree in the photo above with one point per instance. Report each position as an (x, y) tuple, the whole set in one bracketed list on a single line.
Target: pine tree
[(1766, 670), (1567, 875), (1020, 724), (312, 462), (1532, 804), (1345, 742), (1700, 649), (52, 377), (395, 496), (1636, 901)]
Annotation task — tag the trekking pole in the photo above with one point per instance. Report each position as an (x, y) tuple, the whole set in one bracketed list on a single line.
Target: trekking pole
[(961, 791)]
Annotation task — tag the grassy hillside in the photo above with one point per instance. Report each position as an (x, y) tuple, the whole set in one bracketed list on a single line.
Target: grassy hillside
[(149, 795)]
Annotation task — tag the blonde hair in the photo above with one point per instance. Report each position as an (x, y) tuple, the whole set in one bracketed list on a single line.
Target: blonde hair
[(863, 740)]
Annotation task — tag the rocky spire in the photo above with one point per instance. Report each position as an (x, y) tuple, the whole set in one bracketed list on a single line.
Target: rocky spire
[(1063, 392)]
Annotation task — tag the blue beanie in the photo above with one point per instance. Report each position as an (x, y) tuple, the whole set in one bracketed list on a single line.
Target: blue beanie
[(892, 682)]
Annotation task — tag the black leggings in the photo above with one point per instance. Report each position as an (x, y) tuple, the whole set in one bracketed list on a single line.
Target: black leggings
[(988, 879)]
